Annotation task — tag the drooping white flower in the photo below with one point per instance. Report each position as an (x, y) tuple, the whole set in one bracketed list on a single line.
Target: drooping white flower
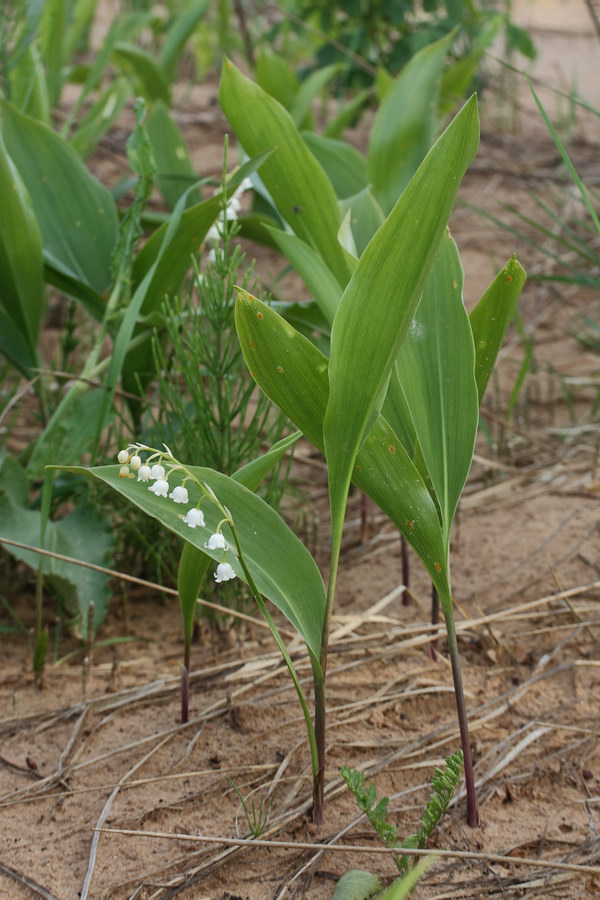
[(157, 472), (135, 462), (123, 471), (224, 572), (179, 494), (194, 517), (143, 473), (160, 487), (123, 457), (216, 542)]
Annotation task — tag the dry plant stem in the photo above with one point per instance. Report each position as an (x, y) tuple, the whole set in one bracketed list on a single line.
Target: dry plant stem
[(185, 691), (463, 723)]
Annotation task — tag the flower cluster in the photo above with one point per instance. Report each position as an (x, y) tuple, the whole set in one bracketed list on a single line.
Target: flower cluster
[(159, 476)]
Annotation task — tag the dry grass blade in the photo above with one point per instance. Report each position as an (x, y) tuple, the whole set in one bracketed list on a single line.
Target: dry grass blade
[(33, 886), (352, 848)]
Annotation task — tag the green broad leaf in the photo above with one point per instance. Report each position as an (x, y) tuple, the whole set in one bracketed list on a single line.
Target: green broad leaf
[(406, 123), (303, 194), (345, 167), (492, 316), (194, 562), (311, 267), (179, 32), (82, 535), (148, 78), (457, 78), (29, 90), (76, 214), (93, 303), (309, 89), (293, 373), (273, 75), (283, 569), (379, 303), (366, 216), (436, 368), (100, 117), (255, 227), (347, 114), (384, 82), (356, 884), (175, 172), (21, 269)]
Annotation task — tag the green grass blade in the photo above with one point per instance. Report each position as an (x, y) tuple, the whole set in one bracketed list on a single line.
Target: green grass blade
[(379, 302), (76, 214), (281, 566), (491, 317), (567, 161), (293, 373), (436, 367), (406, 123), (309, 89), (295, 180)]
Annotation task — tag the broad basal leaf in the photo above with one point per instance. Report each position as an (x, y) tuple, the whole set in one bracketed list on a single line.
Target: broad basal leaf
[(76, 214), (297, 183), (293, 373), (436, 368), (283, 569), (380, 300)]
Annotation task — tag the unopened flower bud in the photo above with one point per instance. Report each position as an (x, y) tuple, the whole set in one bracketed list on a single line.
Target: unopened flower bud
[(135, 462), (123, 456), (123, 471), (157, 472)]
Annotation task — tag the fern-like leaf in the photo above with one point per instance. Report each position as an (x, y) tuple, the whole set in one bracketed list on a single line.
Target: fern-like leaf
[(444, 784), (365, 800)]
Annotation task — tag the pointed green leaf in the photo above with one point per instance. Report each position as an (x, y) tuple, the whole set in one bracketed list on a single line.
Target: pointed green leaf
[(178, 34), (175, 170), (274, 76), (76, 214), (297, 183), (194, 563), (491, 318), (366, 216), (29, 91), (21, 269), (293, 373), (283, 569), (379, 302), (406, 123), (345, 167), (458, 77), (100, 117), (148, 78), (309, 89), (356, 884), (346, 115), (312, 269), (436, 367)]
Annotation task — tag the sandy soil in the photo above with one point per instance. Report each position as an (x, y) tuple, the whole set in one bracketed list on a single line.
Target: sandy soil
[(102, 747)]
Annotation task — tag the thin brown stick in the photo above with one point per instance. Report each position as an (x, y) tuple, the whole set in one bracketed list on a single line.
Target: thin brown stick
[(352, 848), (37, 889)]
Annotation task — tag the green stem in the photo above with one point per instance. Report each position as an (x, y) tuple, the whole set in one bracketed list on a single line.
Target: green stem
[(315, 761)]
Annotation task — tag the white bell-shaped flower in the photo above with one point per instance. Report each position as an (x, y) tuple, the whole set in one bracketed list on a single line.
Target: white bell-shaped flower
[(123, 457), (224, 572), (143, 473), (160, 487), (194, 517), (157, 472), (179, 494), (216, 542), (135, 462)]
